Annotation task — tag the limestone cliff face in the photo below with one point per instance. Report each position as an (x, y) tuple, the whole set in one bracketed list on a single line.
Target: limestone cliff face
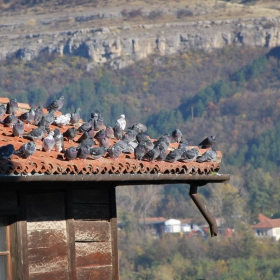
[(122, 45)]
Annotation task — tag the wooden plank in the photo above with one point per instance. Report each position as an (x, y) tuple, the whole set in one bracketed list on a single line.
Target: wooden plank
[(91, 211), (47, 251), (8, 199), (93, 253), (92, 231), (98, 272), (91, 195), (52, 275)]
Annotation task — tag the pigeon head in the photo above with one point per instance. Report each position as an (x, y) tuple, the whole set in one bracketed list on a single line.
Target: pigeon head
[(123, 116)]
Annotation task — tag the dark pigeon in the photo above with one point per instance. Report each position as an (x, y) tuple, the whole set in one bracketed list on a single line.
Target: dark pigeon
[(190, 155), (101, 134), (58, 141), (56, 105), (165, 138), (2, 111), (149, 145), (183, 145), (174, 155), (27, 149), (162, 155), (12, 106), (130, 135), (6, 151), (70, 134), (98, 124), (140, 151), (46, 121), (140, 137), (118, 131), (48, 142), (85, 127), (89, 142), (176, 135), (10, 120), (115, 152), (122, 144), (152, 154), (139, 127), (84, 152), (207, 142), (28, 117), (38, 114), (95, 115), (75, 117), (83, 137), (209, 155), (98, 152), (18, 129), (109, 132), (35, 134), (104, 143), (71, 153)]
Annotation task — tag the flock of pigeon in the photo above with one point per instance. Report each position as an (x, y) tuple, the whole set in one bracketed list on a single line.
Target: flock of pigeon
[(94, 140)]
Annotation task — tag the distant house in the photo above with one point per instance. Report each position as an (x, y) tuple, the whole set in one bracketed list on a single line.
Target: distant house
[(267, 227)]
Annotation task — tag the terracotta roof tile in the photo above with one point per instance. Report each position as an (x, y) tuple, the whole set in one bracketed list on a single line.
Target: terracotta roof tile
[(54, 162), (265, 222)]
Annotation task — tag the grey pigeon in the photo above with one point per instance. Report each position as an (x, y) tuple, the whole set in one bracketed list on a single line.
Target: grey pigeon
[(71, 153), (89, 142), (12, 106), (2, 111), (35, 134), (56, 105), (98, 124), (176, 135), (27, 149), (121, 121), (38, 114), (10, 120), (75, 117), (109, 132), (152, 154), (70, 134), (207, 142), (28, 117), (209, 155), (140, 151), (83, 137), (46, 121), (140, 137), (85, 127), (98, 152), (18, 129), (183, 145), (101, 134), (104, 143), (130, 135), (165, 138), (95, 115), (6, 151), (139, 127), (174, 155), (48, 142), (122, 144), (83, 152), (190, 155), (118, 131), (162, 155), (115, 152), (58, 141)]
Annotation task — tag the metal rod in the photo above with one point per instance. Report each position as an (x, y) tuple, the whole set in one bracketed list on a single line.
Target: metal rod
[(203, 210)]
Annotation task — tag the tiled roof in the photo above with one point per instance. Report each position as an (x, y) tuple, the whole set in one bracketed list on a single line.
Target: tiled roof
[(54, 163), (267, 223)]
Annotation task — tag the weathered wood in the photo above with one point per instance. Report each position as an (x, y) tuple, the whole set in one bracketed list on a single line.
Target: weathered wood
[(93, 253), (92, 231), (52, 275), (47, 251), (91, 211), (91, 196), (98, 273), (8, 199)]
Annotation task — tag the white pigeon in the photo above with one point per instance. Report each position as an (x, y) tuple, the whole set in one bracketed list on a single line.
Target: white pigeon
[(48, 142), (122, 122), (62, 120)]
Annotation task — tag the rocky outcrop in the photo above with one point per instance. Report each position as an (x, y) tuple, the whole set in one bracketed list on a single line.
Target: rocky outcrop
[(122, 45)]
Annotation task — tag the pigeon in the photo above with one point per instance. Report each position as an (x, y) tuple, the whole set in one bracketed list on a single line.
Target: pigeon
[(84, 136), (207, 142), (98, 124), (6, 151), (95, 115), (97, 153), (84, 152), (58, 141), (122, 144), (12, 106), (130, 135), (38, 114), (109, 132), (48, 142), (176, 135), (75, 117), (71, 153), (85, 127), (190, 155), (101, 134), (183, 145), (2, 111), (10, 120), (140, 151), (70, 134), (140, 137), (18, 129), (118, 131), (121, 121), (139, 127), (35, 134), (162, 155), (28, 117), (115, 152), (165, 138), (27, 149), (87, 142), (56, 105), (149, 145), (174, 155), (105, 143), (62, 120), (46, 121), (209, 155), (152, 154)]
